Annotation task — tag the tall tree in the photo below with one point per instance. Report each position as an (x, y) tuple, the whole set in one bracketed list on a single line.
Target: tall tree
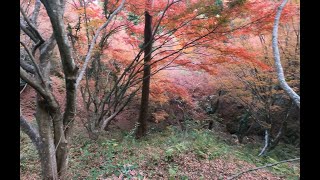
[(146, 72)]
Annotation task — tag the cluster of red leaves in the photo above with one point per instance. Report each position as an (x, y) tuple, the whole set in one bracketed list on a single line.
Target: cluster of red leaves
[(162, 90)]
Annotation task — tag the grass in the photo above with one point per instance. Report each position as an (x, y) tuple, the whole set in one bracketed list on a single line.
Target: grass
[(159, 155), (29, 163)]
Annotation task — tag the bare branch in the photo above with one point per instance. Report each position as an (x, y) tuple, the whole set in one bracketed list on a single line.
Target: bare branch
[(32, 82), (88, 57), (29, 68), (33, 61), (35, 13), (265, 166), (33, 28), (106, 121), (27, 31), (30, 131)]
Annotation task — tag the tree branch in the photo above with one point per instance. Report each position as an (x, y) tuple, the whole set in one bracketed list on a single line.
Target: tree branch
[(47, 47), (33, 61), (35, 12), (88, 57), (106, 121), (32, 82), (33, 28), (55, 13), (265, 166), (29, 68), (27, 31), (30, 131)]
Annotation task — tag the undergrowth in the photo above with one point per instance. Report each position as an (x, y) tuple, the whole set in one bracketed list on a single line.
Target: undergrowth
[(120, 154)]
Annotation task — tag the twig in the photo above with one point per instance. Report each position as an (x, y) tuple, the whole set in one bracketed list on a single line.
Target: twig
[(23, 88), (265, 166)]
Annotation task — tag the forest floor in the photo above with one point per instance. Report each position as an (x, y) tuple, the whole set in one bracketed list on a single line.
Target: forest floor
[(167, 153)]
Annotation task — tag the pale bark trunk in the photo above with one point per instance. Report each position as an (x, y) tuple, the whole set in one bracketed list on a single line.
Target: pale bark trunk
[(47, 152), (293, 95), (266, 143)]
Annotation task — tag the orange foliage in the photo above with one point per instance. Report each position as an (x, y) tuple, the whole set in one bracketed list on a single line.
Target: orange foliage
[(193, 35), (160, 116)]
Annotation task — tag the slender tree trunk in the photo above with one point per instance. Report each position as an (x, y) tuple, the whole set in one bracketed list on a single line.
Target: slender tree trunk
[(142, 127), (266, 143), (68, 121), (284, 85)]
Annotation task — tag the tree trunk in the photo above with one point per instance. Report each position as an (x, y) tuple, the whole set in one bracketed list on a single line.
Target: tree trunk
[(142, 127), (63, 126), (266, 143), (48, 113), (54, 127), (47, 149), (68, 121), (284, 85)]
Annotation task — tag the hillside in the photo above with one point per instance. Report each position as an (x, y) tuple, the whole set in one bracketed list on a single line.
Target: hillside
[(167, 89), (166, 154)]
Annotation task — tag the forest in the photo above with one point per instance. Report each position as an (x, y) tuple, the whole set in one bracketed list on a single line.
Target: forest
[(159, 89)]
